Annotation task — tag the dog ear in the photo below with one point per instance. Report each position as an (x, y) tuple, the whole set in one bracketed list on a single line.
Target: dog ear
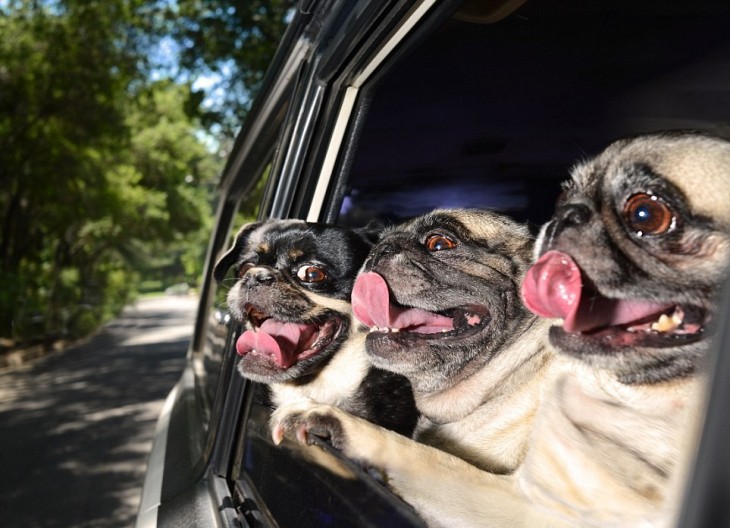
[(231, 256), (371, 232)]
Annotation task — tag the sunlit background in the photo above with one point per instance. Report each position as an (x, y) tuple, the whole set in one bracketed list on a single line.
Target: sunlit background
[(115, 120)]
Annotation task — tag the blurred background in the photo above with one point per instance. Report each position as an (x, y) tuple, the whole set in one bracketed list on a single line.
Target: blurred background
[(115, 120)]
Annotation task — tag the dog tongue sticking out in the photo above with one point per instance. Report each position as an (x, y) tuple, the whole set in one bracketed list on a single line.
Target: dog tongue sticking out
[(278, 340), (554, 288), (372, 306)]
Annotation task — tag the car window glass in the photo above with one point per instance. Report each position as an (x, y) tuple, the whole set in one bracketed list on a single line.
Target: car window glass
[(208, 360), (308, 488)]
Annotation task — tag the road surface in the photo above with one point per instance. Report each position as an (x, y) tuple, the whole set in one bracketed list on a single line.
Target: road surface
[(77, 426)]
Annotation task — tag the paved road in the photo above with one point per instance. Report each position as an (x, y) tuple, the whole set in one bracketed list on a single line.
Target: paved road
[(76, 427)]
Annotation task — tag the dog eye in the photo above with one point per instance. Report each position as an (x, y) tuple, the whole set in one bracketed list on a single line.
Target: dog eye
[(648, 215), (439, 243), (311, 274)]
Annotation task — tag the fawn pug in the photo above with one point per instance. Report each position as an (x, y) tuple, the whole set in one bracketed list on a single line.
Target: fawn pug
[(440, 294)]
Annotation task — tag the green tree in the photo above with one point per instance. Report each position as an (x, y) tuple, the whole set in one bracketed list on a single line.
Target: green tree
[(100, 168), (174, 164), (62, 106), (233, 41), (105, 172)]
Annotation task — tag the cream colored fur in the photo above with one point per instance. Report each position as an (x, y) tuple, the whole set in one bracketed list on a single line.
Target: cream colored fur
[(487, 418)]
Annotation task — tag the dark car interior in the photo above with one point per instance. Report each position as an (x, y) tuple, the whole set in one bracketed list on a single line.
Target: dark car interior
[(494, 115)]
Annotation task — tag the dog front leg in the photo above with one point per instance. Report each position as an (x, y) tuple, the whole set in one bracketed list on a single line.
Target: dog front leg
[(445, 490)]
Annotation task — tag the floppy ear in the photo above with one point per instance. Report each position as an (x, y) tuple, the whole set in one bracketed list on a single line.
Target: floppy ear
[(230, 257)]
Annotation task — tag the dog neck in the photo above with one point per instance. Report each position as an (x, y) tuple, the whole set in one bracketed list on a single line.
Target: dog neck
[(580, 390), (338, 381), (623, 450), (493, 383)]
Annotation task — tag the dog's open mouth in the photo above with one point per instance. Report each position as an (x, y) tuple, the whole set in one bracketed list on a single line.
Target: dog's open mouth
[(284, 342), (554, 287), (373, 307)]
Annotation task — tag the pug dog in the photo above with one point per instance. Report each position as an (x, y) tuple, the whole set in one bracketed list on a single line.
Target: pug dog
[(440, 295), (632, 262), (292, 291)]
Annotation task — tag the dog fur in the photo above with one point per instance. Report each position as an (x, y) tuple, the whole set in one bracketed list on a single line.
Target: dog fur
[(477, 386), (646, 225), (616, 431), (478, 383)]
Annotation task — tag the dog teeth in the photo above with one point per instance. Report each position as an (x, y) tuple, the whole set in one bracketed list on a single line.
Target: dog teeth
[(667, 323), (384, 330)]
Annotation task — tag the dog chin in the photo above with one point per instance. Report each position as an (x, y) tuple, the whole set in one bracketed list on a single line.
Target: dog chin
[(406, 352), (642, 362)]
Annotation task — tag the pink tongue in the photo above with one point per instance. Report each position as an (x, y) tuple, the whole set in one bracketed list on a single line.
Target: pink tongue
[(275, 339), (371, 304), (553, 288)]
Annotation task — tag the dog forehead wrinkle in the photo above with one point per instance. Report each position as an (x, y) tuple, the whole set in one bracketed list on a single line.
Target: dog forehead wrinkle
[(338, 250), (290, 247), (439, 218), (485, 229)]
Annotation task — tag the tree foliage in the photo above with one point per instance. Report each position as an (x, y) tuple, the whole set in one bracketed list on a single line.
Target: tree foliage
[(105, 160), (99, 167), (233, 41)]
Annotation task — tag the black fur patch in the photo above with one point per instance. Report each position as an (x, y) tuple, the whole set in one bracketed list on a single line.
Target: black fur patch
[(387, 399)]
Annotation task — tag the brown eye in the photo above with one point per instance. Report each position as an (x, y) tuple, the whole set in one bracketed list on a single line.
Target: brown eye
[(439, 243), (648, 215), (309, 273)]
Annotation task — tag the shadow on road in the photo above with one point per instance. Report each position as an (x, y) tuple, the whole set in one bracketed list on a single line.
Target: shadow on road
[(77, 426)]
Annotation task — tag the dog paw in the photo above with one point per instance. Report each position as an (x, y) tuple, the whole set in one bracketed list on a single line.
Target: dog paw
[(309, 424)]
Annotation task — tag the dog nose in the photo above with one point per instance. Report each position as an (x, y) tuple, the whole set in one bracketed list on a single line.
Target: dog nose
[(569, 215), (381, 251), (257, 276)]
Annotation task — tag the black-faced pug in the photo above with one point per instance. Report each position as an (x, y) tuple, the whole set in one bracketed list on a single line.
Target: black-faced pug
[(292, 291), (440, 295), (633, 263)]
